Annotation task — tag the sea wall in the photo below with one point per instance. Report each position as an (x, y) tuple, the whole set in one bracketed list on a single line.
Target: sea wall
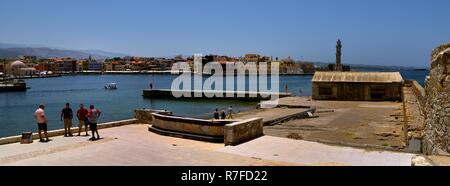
[(437, 103), (243, 131), (60, 132)]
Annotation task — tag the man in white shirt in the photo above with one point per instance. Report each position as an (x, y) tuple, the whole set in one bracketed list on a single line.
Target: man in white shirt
[(42, 122), (230, 112)]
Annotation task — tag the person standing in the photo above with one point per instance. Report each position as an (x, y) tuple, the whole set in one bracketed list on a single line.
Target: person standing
[(81, 115), (92, 117), (223, 115), (216, 114), (41, 122), (230, 112), (66, 117)]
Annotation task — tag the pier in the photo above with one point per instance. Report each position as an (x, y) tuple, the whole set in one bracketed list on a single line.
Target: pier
[(212, 94), (16, 86)]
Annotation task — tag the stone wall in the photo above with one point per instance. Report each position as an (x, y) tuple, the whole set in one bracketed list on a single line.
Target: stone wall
[(243, 131), (437, 103), (419, 92), (145, 115), (60, 132), (211, 128), (357, 91)]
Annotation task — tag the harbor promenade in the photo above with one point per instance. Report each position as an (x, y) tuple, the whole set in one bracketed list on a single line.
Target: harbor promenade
[(134, 145)]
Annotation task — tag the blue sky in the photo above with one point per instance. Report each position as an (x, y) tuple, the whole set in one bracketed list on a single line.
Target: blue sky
[(382, 32)]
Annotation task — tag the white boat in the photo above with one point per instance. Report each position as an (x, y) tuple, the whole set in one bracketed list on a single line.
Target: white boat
[(111, 86)]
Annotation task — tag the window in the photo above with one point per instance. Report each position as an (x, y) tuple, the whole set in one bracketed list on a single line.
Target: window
[(325, 91)]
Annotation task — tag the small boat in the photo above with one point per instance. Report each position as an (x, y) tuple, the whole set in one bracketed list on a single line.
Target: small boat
[(111, 86)]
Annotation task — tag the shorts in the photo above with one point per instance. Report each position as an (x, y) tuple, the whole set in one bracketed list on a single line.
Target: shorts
[(42, 126), (93, 126), (82, 123), (67, 123)]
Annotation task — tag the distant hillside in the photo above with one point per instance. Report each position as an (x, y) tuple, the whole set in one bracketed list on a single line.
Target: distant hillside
[(44, 52)]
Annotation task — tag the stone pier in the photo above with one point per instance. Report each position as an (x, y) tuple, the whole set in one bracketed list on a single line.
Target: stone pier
[(212, 94)]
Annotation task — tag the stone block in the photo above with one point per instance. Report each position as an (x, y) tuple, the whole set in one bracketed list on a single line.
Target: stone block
[(415, 145), (243, 131)]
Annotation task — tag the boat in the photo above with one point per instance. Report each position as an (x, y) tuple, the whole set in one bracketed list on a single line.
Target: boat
[(111, 86)]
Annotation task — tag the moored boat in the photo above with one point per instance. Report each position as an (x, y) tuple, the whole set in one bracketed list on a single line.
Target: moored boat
[(111, 86)]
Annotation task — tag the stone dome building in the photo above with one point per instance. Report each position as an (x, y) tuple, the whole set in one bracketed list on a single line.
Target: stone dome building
[(19, 68), (18, 65)]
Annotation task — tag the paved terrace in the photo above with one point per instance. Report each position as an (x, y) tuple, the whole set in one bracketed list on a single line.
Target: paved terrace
[(348, 123), (134, 145)]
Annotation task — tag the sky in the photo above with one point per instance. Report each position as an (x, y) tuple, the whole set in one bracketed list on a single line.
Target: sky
[(377, 32)]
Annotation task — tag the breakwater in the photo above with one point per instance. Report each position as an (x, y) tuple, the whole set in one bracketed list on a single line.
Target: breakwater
[(212, 94)]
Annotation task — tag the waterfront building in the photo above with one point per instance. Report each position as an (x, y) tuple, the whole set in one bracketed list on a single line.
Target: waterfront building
[(120, 67), (94, 65), (28, 71), (252, 58), (56, 64), (16, 66), (68, 65), (19, 69), (138, 66), (43, 66), (357, 86), (109, 66), (308, 68), (82, 65)]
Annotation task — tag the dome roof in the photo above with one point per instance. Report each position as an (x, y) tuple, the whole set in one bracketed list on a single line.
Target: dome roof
[(18, 64)]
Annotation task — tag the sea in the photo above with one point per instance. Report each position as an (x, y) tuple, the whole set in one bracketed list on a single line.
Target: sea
[(17, 108)]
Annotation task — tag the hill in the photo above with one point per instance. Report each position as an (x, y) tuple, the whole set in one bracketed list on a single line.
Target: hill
[(15, 51)]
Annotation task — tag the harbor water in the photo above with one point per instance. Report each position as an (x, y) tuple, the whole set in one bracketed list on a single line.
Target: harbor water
[(17, 108)]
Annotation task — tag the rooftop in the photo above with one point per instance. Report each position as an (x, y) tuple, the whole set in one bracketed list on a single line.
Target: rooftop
[(358, 77)]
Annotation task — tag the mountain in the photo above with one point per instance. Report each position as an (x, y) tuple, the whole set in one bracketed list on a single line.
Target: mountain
[(104, 53), (17, 50)]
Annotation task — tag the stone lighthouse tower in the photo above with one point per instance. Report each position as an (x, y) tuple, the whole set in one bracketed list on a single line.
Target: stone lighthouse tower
[(338, 56)]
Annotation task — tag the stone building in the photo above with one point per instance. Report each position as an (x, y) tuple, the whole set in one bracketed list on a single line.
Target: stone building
[(437, 103), (20, 69), (357, 86)]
